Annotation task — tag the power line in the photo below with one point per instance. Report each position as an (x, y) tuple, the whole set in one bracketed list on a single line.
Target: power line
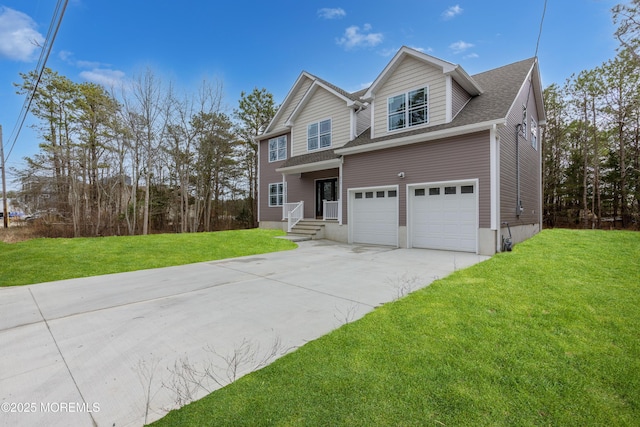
[(544, 12), (54, 26)]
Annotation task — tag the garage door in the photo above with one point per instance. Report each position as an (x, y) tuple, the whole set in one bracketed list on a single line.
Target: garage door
[(444, 216), (374, 216)]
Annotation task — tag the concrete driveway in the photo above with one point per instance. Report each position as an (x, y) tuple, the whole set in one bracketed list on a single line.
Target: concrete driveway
[(123, 349)]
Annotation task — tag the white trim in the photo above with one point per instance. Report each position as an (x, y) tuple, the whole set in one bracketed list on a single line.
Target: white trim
[(420, 137), (340, 188), (474, 181), (466, 81), (269, 194), (405, 93), (311, 167), (258, 183), (448, 99), (373, 117), (494, 178), (287, 100), (286, 150), (315, 191), (307, 96), (350, 191), (317, 122)]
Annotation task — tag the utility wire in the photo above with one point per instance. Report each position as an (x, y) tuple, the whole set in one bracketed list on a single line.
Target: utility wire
[(54, 26)]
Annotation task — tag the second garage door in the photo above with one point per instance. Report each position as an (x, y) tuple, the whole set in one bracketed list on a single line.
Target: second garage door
[(374, 216), (444, 216)]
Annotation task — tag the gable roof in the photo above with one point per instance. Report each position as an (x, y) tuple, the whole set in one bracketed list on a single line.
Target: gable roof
[(447, 68), (351, 101), (501, 87)]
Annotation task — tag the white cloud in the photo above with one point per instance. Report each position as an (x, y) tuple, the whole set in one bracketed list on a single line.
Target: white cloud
[(471, 56), (460, 46), (19, 39), (331, 13), (452, 12), (104, 77), (354, 37)]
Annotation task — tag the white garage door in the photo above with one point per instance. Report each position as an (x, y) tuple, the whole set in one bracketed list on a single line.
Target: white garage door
[(374, 216), (444, 216)]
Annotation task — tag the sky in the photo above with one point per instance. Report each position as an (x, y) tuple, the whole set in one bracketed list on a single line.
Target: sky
[(267, 44)]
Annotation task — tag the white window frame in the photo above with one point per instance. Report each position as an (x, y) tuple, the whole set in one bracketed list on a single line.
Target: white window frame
[(319, 135), (406, 110), (279, 194), (534, 134), (277, 145)]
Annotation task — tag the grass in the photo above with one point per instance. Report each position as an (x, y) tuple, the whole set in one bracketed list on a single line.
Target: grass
[(44, 260), (544, 335)]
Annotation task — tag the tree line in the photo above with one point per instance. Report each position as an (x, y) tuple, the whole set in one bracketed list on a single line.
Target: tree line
[(143, 160), (591, 148), (147, 159)]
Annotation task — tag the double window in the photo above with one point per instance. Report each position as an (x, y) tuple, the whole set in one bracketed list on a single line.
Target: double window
[(319, 135), (408, 109), (278, 148), (276, 194)]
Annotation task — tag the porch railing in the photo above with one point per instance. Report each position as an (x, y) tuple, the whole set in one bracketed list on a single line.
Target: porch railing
[(294, 212), (329, 210)]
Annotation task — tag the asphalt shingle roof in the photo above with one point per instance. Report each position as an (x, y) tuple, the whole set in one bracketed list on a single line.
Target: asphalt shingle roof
[(500, 88)]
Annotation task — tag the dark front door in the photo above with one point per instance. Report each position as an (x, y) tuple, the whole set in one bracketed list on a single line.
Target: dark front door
[(326, 189)]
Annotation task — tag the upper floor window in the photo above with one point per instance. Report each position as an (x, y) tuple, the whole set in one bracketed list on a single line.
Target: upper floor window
[(319, 135), (408, 109), (278, 148), (524, 121), (534, 134)]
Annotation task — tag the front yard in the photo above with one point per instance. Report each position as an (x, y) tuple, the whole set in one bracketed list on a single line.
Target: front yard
[(544, 335), (45, 260)]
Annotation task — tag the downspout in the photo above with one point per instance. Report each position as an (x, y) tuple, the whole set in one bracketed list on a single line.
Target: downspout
[(519, 208)]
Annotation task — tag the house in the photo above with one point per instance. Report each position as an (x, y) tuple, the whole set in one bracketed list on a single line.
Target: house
[(426, 157)]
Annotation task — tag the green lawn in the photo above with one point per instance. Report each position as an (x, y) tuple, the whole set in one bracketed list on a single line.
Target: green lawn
[(44, 260), (545, 335)]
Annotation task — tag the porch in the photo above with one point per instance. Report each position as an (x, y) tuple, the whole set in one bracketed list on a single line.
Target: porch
[(293, 213)]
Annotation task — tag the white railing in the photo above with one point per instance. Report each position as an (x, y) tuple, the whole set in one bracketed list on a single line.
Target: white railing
[(294, 215), (330, 210), (288, 207)]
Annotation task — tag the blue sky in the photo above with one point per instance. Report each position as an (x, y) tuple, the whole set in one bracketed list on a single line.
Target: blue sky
[(247, 44)]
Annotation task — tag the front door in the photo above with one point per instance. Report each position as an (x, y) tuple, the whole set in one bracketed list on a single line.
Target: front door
[(326, 189)]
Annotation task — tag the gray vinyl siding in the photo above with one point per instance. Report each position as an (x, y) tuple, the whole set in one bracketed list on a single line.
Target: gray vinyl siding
[(268, 175), (411, 74), (460, 97), (456, 158), (303, 188), (530, 174), (321, 106)]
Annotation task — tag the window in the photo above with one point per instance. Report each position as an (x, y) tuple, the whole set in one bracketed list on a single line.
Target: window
[(434, 191), (524, 121), (278, 148), (379, 194), (419, 192), (392, 193), (449, 190), (534, 134), (358, 195), (276, 194), (368, 195), (319, 135), (408, 109), (466, 189)]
